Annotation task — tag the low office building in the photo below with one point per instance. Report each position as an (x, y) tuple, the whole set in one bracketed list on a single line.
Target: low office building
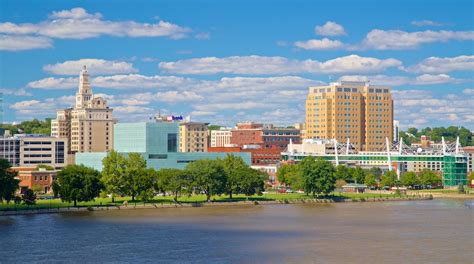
[(157, 142), (39, 180), (220, 138), (30, 150), (265, 136)]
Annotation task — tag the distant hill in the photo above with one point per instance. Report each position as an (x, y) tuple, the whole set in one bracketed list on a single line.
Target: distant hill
[(412, 135), (34, 126)]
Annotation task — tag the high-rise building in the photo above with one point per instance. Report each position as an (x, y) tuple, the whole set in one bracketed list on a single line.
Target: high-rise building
[(220, 137), (88, 126), (193, 137), (396, 130), (355, 110)]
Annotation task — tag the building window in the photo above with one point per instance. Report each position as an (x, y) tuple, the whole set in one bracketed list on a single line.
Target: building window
[(157, 156), (172, 142)]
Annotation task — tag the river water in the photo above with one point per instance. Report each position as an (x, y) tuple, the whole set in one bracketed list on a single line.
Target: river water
[(436, 231)]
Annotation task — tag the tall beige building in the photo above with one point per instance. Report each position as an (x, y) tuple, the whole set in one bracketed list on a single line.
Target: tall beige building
[(89, 124), (220, 137), (193, 137), (355, 110)]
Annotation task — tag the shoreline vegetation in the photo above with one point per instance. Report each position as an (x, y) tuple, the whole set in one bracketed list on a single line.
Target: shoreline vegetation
[(125, 203)]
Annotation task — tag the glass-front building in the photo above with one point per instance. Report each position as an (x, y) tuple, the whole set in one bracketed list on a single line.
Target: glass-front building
[(157, 142)]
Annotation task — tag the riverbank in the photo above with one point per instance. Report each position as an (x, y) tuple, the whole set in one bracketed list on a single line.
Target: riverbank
[(198, 202)]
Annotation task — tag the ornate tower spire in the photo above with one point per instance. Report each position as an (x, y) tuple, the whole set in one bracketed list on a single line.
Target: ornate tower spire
[(84, 93)]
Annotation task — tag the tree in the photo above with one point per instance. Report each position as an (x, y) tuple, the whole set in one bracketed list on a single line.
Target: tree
[(318, 176), (45, 167), (470, 179), (174, 180), (113, 173), (409, 179), (342, 173), (208, 176), (29, 197), (358, 174), (289, 174), (252, 182), (388, 179), (8, 182), (428, 177), (235, 169), (136, 178), (145, 183), (370, 180), (77, 183), (340, 183), (376, 171)]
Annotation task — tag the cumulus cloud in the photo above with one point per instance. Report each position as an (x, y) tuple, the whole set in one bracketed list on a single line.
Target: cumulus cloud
[(320, 44), (19, 42), (399, 40), (77, 23), (95, 66), (15, 92), (424, 79), (443, 65), (330, 29), (254, 65), (52, 83)]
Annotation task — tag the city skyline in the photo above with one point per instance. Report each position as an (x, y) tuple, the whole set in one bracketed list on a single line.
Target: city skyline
[(221, 66)]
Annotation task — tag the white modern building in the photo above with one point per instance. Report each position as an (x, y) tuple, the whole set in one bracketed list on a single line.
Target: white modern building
[(221, 137)]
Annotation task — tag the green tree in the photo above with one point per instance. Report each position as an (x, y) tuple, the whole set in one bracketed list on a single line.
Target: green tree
[(428, 177), (358, 174), (235, 169), (409, 179), (388, 179), (8, 183), (318, 176), (213, 127), (208, 176), (113, 173), (289, 174), (340, 183), (29, 197), (77, 183), (45, 167), (145, 184), (370, 180), (175, 181), (342, 172), (376, 171), (252, 182), (136, 178)]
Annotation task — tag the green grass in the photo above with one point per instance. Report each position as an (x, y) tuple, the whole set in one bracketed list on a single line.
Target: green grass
[(57, 203), (453, 191)]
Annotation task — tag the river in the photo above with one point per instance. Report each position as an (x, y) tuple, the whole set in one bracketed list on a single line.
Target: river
[(435, 231)]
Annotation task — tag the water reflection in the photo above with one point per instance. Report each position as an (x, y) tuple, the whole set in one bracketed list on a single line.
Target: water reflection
[(412, 231)]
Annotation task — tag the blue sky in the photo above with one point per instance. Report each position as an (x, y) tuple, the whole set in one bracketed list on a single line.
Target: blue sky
[(229, 61)]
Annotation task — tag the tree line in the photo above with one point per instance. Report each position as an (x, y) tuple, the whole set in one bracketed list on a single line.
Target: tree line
[(129, 176), (34, 126), (412, 134), (319, 176)]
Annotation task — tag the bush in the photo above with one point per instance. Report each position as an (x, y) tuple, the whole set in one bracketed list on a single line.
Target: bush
[(29, 197), (461, 188)]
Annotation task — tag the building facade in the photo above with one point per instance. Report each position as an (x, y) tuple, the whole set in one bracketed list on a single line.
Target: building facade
[(220, 138), (193, 137), (88, 126), (356, 111), (265, 136), (39, 180), (30, 150), (157, 142)]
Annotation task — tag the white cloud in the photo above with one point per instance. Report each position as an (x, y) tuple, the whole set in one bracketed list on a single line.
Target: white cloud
[(443, 65), (255, 65), (398, 39), (425, 79), (203, 35), (52, 83), (41, 108), (18, 42), (78, 24), (423, 23), (95, 66), (468, 91), (330, 29), (320, 44), (15, 92), (202, 113), (132, 109)]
